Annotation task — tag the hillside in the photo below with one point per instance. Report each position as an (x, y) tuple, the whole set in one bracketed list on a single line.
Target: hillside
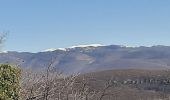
[(128, 84), (125, 84)]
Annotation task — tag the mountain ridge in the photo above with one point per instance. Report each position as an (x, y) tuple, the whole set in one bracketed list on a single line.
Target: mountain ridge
[(82, 59)]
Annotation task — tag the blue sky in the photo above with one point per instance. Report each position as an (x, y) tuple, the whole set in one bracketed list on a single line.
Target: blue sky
[(35, 25)]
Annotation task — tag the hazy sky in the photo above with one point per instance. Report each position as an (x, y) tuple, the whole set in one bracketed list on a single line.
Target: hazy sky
[(36, 25)]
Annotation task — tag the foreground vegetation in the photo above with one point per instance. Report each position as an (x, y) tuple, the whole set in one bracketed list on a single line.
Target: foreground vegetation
[(9, 82), (105, 85)]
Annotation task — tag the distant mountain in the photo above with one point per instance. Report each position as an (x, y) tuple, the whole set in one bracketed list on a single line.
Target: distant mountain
[(88, 58)]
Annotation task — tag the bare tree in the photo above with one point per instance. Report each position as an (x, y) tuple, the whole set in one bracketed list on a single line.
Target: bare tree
[(50, 85), (3, 36)]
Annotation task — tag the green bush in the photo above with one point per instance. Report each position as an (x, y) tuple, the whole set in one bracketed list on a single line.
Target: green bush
[(9, 82)]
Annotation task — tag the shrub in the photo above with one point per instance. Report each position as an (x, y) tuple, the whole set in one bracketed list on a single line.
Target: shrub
[(9, 82)]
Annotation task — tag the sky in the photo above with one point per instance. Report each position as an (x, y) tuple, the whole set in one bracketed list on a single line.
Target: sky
[(36, 25)]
